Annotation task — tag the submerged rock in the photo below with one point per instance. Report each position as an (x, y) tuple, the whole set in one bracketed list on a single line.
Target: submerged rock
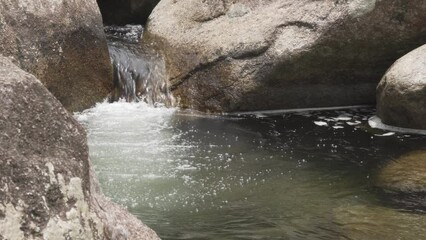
[(406, 174), (257, 55), (401, 94), (63, 44), (47, 187), (373, 222)]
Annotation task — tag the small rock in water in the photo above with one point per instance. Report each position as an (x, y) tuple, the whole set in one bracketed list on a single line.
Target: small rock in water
[(406, 174)]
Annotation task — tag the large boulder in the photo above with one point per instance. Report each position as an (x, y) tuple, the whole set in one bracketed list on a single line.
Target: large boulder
[(47, 187), (235, 55), (401, 94), (125, 12), (62, 43)]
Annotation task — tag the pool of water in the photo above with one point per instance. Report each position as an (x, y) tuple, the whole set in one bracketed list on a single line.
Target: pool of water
[(305, 175)]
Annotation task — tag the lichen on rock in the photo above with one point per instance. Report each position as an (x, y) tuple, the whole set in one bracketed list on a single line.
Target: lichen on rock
[(63, 44)]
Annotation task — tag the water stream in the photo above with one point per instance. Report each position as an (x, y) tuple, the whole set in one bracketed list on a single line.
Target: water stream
[(304, 175), (139, 73)]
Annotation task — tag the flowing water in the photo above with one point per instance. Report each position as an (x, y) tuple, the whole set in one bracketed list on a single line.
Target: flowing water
[(303, 175), (306, 175), (139, 73)]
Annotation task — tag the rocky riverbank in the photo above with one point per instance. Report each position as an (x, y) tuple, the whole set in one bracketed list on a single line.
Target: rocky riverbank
[(47, 187)]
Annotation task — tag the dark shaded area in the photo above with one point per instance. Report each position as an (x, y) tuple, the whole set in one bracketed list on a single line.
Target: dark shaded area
[(126, 12)]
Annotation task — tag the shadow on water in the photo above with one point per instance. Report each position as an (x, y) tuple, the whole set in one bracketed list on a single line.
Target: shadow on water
[(291, 176)]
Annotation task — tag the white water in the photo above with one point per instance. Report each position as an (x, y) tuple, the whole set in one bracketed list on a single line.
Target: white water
[(132, 134)]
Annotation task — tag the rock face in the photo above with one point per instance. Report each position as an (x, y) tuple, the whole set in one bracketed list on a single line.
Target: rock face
[(62, 43), (401, 94), (47, 189), (236, 55), (126, 12)]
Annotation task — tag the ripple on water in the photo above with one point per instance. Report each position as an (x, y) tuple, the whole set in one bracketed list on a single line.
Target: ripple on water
[(280, 176)]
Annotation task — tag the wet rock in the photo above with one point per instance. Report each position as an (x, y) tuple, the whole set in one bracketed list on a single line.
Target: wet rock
[(406, 174), (47, 188), (401, 94), (374, 222), (225, 55), (126, 12), (62, 43)]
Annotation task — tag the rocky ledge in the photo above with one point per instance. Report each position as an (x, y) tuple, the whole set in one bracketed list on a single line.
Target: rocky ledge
[(239, 55)]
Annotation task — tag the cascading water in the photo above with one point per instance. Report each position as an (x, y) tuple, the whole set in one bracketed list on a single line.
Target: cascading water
[(139, 74)]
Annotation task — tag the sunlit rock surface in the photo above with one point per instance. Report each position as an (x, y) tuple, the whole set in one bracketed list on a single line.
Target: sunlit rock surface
[(47, 189), (401, 94), (62, 43), (258, 55)]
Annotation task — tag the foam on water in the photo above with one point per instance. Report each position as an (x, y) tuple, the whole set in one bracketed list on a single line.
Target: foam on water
[(376, 122)]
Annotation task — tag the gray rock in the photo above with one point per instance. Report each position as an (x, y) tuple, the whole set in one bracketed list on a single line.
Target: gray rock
[(406, 174), (126, 12), (401, 94), (62, 43), (239, 55), (47, 187)]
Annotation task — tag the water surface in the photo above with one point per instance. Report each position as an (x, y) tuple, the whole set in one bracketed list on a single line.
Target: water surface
[(306, 175)]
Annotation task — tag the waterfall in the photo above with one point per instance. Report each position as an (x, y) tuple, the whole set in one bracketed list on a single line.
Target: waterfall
[(139, 73)]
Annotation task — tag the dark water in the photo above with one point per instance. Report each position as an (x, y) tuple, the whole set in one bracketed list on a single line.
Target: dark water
[(292, 176)]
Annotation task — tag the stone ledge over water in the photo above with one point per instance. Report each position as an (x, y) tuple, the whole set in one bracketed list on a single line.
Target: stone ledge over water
[(47, 187)]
